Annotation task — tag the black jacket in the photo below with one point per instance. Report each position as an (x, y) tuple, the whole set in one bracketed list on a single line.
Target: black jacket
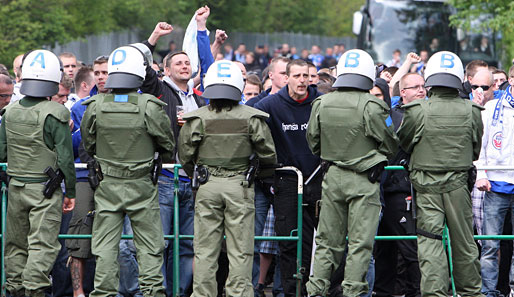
[(258, 98), (397, 181), (160, 89), (288, 124), (466, 89)]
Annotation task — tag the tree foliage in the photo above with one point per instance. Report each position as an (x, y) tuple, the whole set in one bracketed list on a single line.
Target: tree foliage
[(500, 17), (30, 24)]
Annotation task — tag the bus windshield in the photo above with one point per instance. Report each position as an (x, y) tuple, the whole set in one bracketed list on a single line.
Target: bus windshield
[(409, 26), (424, 25)]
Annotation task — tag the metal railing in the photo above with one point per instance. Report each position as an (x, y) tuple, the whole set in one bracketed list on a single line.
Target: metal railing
[(176, 237)]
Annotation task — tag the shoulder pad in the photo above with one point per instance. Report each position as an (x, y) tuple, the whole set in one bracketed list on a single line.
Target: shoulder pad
[(480, 107), (413, 103), (254, 112), (195, 113), (91, 99), (319, 98), (370, 98), (60, 112), (8, 106), (156, 101)]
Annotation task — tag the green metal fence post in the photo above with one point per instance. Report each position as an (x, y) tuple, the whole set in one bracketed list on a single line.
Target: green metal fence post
[(176, 236), (176, 276), (446, 237), (4, 220), (299, 272)]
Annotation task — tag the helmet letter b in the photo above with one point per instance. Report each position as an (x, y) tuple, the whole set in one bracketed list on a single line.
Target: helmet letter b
[(447, 61), (352, 60)]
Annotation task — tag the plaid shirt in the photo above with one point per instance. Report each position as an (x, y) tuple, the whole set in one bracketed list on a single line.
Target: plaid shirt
[(477, 199)]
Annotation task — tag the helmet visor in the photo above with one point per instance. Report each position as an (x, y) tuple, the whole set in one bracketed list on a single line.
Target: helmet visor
[(38, 88), (220, 91), (443, 80), (120, 80), (351, 80)]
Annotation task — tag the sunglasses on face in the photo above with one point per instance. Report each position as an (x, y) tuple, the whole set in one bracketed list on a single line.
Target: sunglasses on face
[(485, 88)]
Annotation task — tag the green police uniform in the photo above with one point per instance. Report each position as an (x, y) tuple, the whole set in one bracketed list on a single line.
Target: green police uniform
[(444, 135), (353, 130), (34, 135), (223, 142), (123, 131)]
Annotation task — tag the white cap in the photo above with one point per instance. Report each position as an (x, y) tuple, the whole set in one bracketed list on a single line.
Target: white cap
[(41, 73), (126, 67), (223, 80), (444, 69), (355, 69)]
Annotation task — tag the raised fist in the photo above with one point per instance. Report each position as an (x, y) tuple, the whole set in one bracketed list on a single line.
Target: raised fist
[(203, 13), (413, 58), (162, 28), (221, 36)]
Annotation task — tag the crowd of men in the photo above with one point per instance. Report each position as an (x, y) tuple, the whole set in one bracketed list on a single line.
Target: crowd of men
[(339, 118)]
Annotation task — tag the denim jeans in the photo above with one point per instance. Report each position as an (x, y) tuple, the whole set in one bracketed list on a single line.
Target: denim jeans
[(496, 206), (370, 277), (277, 289), (129, 271), (61, 277), (186, 227)]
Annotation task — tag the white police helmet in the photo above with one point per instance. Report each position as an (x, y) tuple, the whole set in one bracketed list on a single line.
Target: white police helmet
[(223, 80), (444, 69), (126, 67), (145, 51), (41, 73), (355, 69)]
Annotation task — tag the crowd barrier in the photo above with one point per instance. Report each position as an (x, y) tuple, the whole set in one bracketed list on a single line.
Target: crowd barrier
[(176, 237)]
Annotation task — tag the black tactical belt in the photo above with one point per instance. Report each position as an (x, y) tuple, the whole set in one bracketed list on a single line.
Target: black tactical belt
[(428, 234)]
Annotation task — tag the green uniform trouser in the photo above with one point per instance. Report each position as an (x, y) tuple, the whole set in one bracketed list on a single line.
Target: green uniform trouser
[(31, 246), (433, 210), (350, 206), (224, 206), (137, 198)]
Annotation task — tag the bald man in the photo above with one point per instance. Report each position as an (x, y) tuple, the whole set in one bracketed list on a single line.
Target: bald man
[(16, 68), (412, 87), (482, 86)]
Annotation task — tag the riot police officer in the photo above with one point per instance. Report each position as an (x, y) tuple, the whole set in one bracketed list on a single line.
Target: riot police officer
[(352, 131), (444, 135), (221, 138), (123, 130), (35, 138)]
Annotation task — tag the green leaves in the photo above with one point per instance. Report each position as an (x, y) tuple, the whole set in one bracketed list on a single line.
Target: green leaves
[(30, 24), (501, 18)]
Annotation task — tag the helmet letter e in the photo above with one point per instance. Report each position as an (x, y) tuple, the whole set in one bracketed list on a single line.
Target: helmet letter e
[(224, 69)]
